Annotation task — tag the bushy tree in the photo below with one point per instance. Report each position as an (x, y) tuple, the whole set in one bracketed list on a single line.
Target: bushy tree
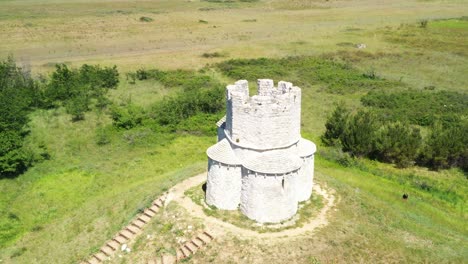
[(398, 143), (359, 134), (447, 146), (17, 93), (335, 125), (76, 89), (128, 116)]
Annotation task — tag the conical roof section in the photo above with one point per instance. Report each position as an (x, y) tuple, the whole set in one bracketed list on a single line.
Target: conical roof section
[(274, 162), (306, 147), (222, 152)]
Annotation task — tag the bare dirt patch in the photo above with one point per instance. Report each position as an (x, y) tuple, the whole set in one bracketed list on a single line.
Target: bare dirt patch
[(220, 227)]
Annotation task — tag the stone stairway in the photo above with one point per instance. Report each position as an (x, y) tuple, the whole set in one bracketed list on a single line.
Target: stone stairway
[(186, 250), (127, 234)]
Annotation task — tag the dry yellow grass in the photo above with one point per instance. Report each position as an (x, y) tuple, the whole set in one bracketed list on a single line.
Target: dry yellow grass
[(41, 33)]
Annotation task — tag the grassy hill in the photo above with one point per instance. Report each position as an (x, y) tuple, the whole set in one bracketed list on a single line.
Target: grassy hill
[(64, 208)]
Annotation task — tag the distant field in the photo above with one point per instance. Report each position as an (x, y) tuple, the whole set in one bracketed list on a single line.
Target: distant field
[(63, 209), (42, 33)]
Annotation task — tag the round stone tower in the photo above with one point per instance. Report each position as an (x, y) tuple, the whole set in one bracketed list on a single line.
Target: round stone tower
[(261, 161)]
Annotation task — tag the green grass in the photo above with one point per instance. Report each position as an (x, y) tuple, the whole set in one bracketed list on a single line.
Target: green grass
[(69, 202), (65, 208), (424, 216)]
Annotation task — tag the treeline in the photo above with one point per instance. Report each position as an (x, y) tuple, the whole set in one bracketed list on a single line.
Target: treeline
[(365, 133), (194, 109), (75, 89)]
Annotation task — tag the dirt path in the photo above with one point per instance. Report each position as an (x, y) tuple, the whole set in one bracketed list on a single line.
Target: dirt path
[(219, 227)]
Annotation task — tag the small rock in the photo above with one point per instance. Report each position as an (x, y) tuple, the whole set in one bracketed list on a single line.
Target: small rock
[(190, 227), (148, 236), (128, 250), (361, 46), (123, 247), (120, 256)]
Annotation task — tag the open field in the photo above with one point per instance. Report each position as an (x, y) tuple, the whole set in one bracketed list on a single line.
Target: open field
[(64, 208), (42, 33)]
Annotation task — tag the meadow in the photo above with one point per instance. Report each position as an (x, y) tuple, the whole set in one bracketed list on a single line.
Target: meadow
[(100, 174)]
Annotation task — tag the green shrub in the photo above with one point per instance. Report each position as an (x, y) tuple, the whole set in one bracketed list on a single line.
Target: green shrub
[(418, 107), (77, 88), (127, 117), (398, 143), (446, 146), (334, 77), (213, 55), (335, 126), (19, 93), (146, 19)]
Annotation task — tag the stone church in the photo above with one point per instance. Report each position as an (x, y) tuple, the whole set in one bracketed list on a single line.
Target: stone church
[(261, 164)]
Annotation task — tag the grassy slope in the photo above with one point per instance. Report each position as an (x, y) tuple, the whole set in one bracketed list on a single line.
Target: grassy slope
[(77, 200), (372, 224)]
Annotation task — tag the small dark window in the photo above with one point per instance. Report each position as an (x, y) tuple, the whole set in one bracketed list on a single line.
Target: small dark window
[(237, 140), (282, 183)]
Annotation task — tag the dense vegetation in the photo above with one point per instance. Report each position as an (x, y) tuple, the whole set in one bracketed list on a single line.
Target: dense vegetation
[(332, 76), (75, 89), (419, 107), (18, 95), (193, 109), (366, 133)]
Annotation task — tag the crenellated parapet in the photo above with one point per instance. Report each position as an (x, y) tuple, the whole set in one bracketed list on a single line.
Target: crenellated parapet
[(269, 120), (261, 164)]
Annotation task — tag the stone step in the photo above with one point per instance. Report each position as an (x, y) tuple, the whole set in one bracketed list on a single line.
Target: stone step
[(120, 239), (185, 252), (144, 218), (191, 247), (199, 238), (127, 234), (179, 254), (100, 256), (149, 213), (138, 223), (133, 229), (113, 244), (154, 208), (200, 243), (205, 238), (158, 203), (196, 243), (208, 235), (107, 250)]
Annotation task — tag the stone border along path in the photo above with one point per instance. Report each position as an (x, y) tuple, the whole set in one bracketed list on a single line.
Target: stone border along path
[(216, 226)]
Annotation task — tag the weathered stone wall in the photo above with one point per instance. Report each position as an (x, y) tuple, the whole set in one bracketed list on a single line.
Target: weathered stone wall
[(223, 186), (265, 121), (268, 199), (306, 179), (272, 167)]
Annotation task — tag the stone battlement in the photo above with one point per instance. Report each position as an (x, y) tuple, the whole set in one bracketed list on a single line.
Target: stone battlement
[(266, 91), (261, 164), (268, 120)]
